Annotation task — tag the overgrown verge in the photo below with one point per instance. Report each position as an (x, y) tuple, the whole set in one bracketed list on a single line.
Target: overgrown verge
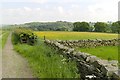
[(45, 62)]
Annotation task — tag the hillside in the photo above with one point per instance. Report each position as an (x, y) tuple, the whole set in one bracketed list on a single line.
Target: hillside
[(50, 26)]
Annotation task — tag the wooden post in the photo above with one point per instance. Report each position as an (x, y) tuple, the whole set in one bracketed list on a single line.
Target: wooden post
[(44, 38)]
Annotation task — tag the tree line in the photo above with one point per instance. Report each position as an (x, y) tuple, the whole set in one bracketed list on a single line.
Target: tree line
[(109, 27), (97, 27), (50, 26)]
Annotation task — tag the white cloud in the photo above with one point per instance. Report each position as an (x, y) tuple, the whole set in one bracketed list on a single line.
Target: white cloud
[(38, 1), (38, 9), (32, 1), (103, 11), (27, 8), (75, 6), (60, 9), (98, 10)]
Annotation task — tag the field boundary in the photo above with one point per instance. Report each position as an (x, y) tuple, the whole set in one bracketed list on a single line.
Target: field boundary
[(86, 63), (89, 43)]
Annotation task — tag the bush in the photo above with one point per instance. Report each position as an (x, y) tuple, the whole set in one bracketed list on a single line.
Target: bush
[(22, 35)]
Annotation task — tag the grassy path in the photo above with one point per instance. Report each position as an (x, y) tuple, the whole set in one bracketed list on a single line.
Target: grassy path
[(13, 65)]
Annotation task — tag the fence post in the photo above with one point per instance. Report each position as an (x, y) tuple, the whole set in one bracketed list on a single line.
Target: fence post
[(44, 38)]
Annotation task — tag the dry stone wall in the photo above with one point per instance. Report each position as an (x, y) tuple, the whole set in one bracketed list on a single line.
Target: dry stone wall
[(89, 43), (88, 64)]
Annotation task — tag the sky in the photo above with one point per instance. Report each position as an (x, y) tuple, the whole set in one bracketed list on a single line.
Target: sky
[(22, 11)]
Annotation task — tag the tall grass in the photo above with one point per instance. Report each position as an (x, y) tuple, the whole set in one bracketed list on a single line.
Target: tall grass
[(47, 62)]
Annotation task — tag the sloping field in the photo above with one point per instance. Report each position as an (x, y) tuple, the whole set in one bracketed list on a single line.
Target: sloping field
[(75, 35)]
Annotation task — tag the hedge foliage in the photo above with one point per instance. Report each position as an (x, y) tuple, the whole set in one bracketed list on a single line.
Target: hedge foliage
[(22, 35)]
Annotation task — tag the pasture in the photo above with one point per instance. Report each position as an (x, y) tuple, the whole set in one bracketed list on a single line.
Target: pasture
[(57, 35), (106, 52)]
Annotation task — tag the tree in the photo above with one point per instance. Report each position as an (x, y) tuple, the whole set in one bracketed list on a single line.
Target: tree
[(101, 27), (81, 26), (76, 26), (116, 27)]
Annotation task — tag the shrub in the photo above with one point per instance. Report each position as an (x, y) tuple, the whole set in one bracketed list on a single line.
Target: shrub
[(22, 35)]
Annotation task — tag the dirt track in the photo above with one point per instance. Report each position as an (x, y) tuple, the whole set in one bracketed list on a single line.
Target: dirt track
[(13, 65)]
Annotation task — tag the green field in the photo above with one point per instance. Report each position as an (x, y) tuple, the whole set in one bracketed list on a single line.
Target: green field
[(104, 52), (75, 35), (107, 52)]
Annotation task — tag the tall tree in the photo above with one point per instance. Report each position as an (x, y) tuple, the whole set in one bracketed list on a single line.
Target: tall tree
[(116, 27), (81, 26), (101, 27), (76, 26)]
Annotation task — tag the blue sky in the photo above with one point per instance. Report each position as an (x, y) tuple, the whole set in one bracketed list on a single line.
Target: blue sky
[(21, 11)]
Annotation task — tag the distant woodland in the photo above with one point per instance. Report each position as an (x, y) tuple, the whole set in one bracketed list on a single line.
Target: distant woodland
[(109, 27)]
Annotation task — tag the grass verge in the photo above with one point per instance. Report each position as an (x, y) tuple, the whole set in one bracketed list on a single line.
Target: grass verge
[(46, 62), (4, 38)]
